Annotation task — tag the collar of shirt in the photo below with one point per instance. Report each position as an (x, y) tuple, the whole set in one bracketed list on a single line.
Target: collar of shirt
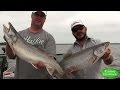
[(77, 43)]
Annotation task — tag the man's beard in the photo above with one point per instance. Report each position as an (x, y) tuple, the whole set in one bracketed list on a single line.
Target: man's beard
[(81, 39)]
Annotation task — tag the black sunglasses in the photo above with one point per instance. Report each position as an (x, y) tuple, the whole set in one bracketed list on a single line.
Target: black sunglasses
[(41, 14), (77, 28)]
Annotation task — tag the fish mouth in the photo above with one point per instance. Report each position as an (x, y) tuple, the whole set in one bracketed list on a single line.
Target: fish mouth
[(5, 29), (107, 44), (10, 32)]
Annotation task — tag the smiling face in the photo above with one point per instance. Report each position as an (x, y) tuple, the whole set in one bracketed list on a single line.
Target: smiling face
[(79, 32), (38, 19)]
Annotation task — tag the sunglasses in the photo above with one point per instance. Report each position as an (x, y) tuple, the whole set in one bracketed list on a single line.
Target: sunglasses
[(41, 14), (77, 28)]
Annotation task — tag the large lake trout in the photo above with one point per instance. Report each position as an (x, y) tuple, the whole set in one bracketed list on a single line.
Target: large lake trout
[(29, 53)]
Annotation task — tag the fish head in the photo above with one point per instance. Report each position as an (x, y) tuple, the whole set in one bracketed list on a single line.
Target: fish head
[(10, 34), (106, 44), (100, 49)]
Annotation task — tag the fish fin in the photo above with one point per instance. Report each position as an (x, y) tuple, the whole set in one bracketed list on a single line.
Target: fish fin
[(56, 75), (92, 60), (34, 65), (50, 69)]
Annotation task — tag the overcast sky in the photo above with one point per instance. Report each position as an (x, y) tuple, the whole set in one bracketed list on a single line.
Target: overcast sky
[(103, 25)]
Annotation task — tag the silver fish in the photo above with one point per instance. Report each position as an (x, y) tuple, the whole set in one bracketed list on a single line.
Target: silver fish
[(28, 52), (83, 59)]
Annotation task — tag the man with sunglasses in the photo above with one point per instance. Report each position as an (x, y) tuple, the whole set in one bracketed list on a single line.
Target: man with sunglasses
[(79, 31), (39, 38)]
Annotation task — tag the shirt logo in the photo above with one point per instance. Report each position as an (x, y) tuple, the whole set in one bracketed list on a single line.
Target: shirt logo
[(34, 41)]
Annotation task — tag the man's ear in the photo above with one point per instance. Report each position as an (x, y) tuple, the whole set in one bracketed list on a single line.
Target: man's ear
[(86, 29)]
